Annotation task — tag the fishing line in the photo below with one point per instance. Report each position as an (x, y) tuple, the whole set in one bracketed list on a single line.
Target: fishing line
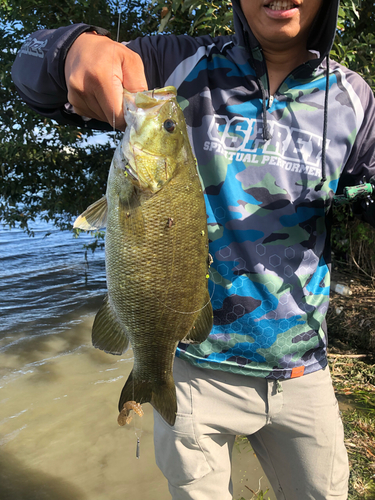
[(173, 260), (172, 256), (190, 312), (138, 436), (113, 59), (134, 428), (118, 24), (117, 40), (113, 93)]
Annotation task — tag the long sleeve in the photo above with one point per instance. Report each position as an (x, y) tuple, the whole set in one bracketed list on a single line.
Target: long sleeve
[(361, 163), (38, 73)]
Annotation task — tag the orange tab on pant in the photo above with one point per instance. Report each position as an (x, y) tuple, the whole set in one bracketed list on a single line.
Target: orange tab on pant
[(297, 371)]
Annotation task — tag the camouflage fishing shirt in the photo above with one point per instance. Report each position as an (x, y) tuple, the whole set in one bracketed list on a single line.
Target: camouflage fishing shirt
[(268, 225)]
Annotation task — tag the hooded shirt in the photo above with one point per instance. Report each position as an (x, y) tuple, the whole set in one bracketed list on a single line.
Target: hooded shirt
[(269, 165)]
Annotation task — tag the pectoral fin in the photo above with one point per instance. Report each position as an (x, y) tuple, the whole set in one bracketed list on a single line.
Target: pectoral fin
[(107, 333), (202, 326), (94, 217)]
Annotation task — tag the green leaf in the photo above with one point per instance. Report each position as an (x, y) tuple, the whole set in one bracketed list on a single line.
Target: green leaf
[(175, 5), (164, 22)]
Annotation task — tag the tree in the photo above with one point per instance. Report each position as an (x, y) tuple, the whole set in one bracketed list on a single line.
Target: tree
[(355, 41), (49, 170)]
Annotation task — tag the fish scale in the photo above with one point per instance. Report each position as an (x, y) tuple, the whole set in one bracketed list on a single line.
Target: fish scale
[(156, 250)]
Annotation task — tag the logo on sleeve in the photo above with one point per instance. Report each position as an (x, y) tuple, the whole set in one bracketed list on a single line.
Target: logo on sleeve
[(33, 47)]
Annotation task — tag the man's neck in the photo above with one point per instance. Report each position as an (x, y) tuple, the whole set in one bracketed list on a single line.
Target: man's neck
[(280, 64)]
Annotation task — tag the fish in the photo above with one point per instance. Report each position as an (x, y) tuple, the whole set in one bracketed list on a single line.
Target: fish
[(156, 250)]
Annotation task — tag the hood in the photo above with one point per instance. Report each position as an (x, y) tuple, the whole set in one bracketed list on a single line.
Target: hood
[(321, 37)]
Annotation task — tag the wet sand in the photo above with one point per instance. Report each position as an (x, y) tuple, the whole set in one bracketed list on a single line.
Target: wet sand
[(59, 437)]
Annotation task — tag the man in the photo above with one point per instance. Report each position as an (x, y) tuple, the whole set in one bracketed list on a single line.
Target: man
[(274, 126)]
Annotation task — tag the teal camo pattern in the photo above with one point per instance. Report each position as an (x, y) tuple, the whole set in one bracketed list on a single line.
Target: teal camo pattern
[(270, 277)]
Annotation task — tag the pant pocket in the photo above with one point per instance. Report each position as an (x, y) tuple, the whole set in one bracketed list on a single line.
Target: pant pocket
[(177, 451)]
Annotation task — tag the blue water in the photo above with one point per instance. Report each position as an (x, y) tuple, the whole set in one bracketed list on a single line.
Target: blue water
[(46, 281)]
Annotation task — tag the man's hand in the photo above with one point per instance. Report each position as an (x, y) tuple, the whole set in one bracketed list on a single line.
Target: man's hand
[(96, 71)]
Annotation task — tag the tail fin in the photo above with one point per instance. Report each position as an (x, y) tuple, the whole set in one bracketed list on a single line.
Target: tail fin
[(161, 394)]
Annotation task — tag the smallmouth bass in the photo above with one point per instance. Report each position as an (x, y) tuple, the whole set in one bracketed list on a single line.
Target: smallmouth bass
[(156, 250)]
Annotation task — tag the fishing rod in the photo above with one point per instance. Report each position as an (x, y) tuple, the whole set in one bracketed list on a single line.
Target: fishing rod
[(361, 192)]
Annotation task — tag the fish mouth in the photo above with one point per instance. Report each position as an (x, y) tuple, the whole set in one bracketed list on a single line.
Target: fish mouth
[(139, 106), (281, 5)]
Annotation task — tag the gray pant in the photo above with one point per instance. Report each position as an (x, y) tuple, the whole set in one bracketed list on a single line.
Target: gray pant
[(295, 431)]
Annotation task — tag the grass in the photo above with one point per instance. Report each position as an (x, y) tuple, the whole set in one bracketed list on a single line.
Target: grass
[(257, 495), (354, 383)]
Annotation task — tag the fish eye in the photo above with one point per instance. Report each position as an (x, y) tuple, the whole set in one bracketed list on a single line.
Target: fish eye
[(169, 125)]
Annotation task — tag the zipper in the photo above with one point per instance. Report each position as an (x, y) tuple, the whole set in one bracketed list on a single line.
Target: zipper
[(270, 101)]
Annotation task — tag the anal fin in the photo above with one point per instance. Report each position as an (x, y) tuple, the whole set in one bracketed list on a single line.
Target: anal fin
[(202, 326), (107, 333)]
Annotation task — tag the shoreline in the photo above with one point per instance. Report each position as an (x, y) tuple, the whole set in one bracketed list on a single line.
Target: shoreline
[(59, 437)]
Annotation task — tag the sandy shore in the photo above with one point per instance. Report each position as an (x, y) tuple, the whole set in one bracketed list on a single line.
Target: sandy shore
[(59, 438)]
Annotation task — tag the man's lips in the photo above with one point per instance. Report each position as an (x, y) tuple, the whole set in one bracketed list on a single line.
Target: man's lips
[(281, 9), (281, 5)]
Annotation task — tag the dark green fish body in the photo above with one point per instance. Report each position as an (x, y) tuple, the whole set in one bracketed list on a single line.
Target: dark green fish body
[(157, 257)]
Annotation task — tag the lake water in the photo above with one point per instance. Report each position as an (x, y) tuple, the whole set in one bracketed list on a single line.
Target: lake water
[(59, 438)]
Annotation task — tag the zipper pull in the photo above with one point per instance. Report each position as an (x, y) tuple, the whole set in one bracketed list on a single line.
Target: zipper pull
[(270, 101)]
